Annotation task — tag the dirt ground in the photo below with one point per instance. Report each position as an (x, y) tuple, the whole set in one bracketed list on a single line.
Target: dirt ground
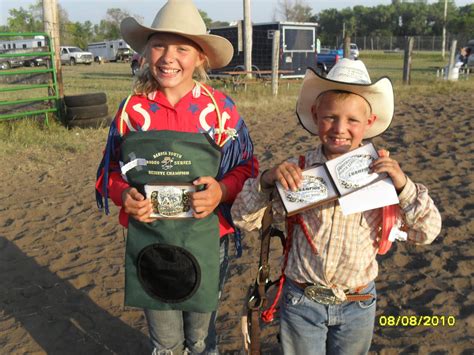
[(61, 260)]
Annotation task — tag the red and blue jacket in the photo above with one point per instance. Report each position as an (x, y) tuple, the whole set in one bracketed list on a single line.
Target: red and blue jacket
[(196, 113)]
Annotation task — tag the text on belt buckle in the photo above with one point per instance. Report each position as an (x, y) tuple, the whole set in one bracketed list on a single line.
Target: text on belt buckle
[(321, 294)]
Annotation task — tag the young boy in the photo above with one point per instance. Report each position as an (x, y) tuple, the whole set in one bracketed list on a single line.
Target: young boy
[(328, 303)]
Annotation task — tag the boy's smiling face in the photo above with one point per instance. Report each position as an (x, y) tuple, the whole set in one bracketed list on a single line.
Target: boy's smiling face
[(342, 119)]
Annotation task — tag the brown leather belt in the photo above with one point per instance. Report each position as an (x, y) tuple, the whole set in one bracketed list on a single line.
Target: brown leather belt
[(324, 295)]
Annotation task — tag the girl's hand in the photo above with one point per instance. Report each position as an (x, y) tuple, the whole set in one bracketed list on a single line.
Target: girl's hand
[(136, 206), (288, 174), (205, 202), (384, 164)]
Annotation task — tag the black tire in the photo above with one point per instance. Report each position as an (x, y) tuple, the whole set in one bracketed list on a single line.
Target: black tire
[(95, 122), (72, 61), (78, 113), (96, 98)]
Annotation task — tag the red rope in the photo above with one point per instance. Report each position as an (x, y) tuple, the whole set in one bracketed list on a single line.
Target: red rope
[(389, 219), (269, 314)]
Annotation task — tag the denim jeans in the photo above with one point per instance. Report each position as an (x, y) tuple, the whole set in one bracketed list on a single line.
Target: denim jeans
[(308, 327), (177, 332)]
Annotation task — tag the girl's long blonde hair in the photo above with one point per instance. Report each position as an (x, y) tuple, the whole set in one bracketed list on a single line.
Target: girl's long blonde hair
[(145, 83)]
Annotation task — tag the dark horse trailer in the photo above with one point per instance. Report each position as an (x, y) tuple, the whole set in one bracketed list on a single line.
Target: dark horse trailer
[(297, 46)]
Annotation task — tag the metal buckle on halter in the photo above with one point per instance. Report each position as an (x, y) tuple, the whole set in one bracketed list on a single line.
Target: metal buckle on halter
[(321, 294), (263, 274)]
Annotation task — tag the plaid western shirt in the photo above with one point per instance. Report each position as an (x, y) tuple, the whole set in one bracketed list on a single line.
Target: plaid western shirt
[(346, 245)]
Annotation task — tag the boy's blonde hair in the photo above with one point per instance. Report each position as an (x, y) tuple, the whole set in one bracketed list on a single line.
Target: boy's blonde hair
[(145, 83)]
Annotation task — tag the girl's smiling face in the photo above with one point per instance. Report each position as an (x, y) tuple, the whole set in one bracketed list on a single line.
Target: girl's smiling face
[(342, 120), (172, 61)]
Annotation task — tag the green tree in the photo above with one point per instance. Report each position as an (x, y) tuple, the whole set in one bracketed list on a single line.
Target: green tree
[(294, 10), (207, 20), (21, 20), (80, 34), (211, 24), (463, 23)]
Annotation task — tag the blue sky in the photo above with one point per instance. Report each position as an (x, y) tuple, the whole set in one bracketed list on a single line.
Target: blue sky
[(223, 10)]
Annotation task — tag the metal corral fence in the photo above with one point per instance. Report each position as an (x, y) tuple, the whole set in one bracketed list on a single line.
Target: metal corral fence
[(28, 82), (389, 43)]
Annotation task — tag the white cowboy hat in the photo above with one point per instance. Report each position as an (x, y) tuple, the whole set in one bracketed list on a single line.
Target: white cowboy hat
[(352, 76), (179, 17)]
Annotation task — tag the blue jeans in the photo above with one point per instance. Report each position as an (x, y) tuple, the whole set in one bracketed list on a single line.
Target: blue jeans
[(308, 327), (173, 332)]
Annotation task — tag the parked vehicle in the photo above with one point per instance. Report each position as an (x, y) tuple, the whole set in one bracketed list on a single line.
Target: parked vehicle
[(22, 43), (136, 63), (75, 55), (297, 47), (470, 59), (18, 46), (353, 50), (8, 63), (326, 58), (112, 51)]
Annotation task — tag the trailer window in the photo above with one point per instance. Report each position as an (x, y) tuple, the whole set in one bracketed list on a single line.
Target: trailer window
[(298, 39)]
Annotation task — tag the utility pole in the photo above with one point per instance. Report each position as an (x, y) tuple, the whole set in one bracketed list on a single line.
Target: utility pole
[(248, 38), (51, 27), (443, 45)]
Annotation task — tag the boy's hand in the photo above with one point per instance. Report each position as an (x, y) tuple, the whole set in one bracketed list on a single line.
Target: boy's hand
[(205, 202), (384, 164), (136, 206), (288, 174)]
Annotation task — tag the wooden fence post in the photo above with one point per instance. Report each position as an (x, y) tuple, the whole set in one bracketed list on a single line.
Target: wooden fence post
[(347, 47), (248, 38), (407, 60), (51, 27), (275, 60), (452, 60)]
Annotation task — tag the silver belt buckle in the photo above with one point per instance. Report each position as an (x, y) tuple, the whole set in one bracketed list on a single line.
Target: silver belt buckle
[(321, 294), (170, 201)]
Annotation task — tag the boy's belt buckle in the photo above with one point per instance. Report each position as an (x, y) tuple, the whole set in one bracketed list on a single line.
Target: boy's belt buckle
[(321, 294)]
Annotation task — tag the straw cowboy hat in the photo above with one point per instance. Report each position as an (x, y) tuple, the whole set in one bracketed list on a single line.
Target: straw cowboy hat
[(179, 17), (352, 76)]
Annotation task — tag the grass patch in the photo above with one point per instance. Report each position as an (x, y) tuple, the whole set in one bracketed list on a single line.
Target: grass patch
[(31, 134)]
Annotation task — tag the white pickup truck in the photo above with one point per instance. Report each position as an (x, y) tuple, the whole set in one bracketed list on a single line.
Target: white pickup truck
[(75, 55)]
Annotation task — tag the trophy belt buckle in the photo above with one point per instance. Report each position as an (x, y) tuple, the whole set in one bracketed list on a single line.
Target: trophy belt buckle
[(321, 294)]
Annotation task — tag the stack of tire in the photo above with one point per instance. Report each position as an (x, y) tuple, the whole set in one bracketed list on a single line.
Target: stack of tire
[(87, 110)]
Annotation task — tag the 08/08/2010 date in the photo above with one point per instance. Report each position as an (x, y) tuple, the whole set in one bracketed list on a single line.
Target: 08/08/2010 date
[(416, 321)]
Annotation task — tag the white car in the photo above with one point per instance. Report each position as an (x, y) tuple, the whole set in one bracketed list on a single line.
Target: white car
[(75, 55), (354, 51)]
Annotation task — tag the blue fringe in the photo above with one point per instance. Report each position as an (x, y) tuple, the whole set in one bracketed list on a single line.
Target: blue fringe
[(234, 153), (112, 141)]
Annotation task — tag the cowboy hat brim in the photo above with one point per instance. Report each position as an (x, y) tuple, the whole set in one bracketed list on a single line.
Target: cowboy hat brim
[(218, 49), (379, 95)]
